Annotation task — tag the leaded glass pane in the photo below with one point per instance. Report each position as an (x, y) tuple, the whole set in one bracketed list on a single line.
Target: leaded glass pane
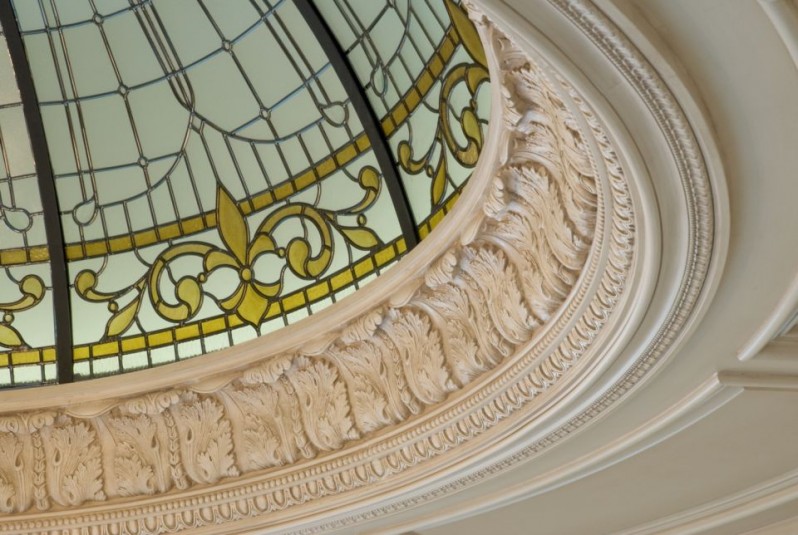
[(205, 189), (431, 89), (213, 178), (26, 310)]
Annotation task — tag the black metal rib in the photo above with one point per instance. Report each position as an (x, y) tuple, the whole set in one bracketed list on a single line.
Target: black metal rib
[(44, 172), (370, 122)]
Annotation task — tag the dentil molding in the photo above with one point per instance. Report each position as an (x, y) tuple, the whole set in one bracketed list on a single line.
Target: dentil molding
[(506, 308)]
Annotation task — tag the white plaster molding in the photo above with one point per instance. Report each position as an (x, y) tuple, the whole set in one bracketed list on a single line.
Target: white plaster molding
[(785, 527), (727, 510), (706, 199), (778, 331), (758, 380), (783, 14), (531, 272), (517, 279), (708, 397)]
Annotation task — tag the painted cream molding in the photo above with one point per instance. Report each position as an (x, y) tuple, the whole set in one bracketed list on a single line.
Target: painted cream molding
[(698, 404), (769, 494), (511, 307)]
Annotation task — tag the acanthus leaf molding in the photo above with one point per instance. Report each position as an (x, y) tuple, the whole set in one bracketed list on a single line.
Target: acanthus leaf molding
[(511, 308)]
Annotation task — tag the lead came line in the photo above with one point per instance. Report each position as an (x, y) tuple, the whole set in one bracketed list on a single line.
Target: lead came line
[(371, 125), (44, 173)]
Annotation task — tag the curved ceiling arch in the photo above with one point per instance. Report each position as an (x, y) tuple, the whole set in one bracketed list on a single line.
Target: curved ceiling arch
[(592, 318)]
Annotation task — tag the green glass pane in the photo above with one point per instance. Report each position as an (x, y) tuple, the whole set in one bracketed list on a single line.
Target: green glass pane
[(410, 59), (26, 309), (213, 179)]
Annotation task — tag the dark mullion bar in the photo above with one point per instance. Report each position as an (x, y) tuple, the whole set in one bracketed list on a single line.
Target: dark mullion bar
[(44, 171), (370, 122)]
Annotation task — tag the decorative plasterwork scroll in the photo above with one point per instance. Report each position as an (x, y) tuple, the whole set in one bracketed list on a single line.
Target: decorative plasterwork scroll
[(478, 303), (506, 313)]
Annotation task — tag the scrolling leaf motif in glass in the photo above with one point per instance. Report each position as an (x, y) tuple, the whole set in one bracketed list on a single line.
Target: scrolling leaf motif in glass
[(251, 297), (434, 162)]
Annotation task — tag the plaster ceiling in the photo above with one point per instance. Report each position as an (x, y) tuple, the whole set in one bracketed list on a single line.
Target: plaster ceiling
[(724, 465), (635, 373)]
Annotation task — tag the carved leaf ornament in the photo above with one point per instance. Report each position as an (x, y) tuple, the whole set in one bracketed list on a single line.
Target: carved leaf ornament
[(480, 301), (523, 289)]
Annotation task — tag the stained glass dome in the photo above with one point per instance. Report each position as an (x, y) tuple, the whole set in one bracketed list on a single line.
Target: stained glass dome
[(179, 176)]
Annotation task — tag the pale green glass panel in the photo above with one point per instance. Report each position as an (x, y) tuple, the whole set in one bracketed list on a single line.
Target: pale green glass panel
[(123, 102), (26, 308), (173, 115), (218, 285), (31, 374), (424, 132), (393, 47), (32, 324), (9, 92), (388, 44), (135, 361), (22, 223)]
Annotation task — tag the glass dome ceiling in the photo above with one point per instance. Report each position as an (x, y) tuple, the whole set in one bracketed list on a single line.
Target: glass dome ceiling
[(179, 176)]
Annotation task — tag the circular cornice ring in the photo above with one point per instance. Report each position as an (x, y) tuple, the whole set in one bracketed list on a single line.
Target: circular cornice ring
[(535, 280)]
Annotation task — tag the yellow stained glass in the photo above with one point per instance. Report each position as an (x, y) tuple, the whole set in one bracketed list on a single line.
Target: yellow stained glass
[(210, 192)]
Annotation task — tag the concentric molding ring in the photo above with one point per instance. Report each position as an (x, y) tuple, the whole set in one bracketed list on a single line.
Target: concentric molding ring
[(706, 250), (437, 398)]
